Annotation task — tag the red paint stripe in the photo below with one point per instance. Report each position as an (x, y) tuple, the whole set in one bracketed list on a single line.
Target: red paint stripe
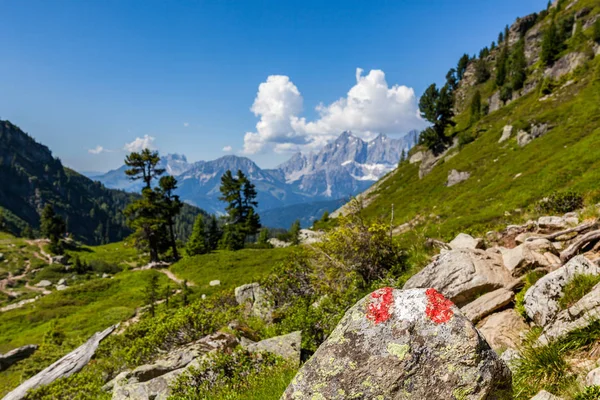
[(438, 307), (379, 306)]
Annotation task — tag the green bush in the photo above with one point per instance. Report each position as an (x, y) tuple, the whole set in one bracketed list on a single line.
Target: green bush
[(589, 393), (561, 202), (465, 138), (578, 287), (103, 267)]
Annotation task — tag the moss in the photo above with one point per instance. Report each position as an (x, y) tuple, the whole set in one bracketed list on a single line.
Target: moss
[(398, 350)]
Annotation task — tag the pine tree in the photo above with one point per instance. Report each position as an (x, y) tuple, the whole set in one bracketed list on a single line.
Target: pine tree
[(53, 227), (550, 45), (451, 80), (214, 234), (184, 292), (501, 66), (197, 243), (325, 216), (295, 232), (500, 38), (263, 237), (518, 66), (171, 206), (436, 107), (143, 166), (463, 62), (482, 74), (476, 107), (151, 293)]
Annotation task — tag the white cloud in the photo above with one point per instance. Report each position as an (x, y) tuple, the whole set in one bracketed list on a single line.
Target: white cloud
[(186, 124), (370, 107), (147, 142), (227, 149), (97, 150)]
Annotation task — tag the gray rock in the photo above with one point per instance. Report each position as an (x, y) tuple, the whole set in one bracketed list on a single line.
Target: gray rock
[(506, 133), (527, 256), (495, 102), (462, 275), (256, 298), (503, 330), (65, 367), (455, 177), (487, 304), (417, 157), (593, 378), (63, 260), (61, 287), (16, 355), (278, 243), (307, 236), (565, 65), (552, 223), (287, 346), (541, 300), (245, 293), (464, 241), (523, 138), (399, 344), (63, 281), (510, 357), (44, 283), (543, 395), (216, 282)]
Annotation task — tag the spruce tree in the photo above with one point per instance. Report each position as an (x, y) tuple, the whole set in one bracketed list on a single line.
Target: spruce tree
[(463, 62), (501, 66), (518, 66), (214, 234), (476, 107), (143, 166), (197, 243), (170, 206), (451, 80), (263, 237), (295, 232), (482, 74), (53, 227), (596, 31), (184, 292), (550, 45)]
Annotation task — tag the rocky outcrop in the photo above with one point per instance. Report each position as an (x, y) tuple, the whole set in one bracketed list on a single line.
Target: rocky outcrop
[(417, 157), (529, 255), (455, 177), (541, 300), (462, 275), (65, 367), (503, 330), (287, 346), (307, 236), (254, 297), (524, 137), (276, 243), (151, 382), (487, 304), (464, 241), (506, 133), (16, 355), (565, 65), (495, 102), (401, 344)]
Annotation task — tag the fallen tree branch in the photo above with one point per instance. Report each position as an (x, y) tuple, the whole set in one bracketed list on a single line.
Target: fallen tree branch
[(574, 248), (578, 229)]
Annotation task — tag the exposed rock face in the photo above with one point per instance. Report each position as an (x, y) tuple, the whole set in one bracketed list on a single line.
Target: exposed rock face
[(308, 236), (552, 222), (565, 65), (487, 304), (528, 255), (255, 297), (401, 344), (524, 137), (495, 102), (287, 346), (151, 382), (541, 300), (417, 157), (462, 275), (464, 241), (16, 355), (506, 133), (455, 177), (520, 27), (579, 315), (503, 330), (278, 243), (65, 367)]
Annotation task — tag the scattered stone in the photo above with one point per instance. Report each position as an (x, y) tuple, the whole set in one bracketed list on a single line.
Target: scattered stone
[(593, 378), (455, 177), (543, 395), (487, 304), (61, 287), (503, 330), (216, 282), (462, 275), (541, 300), (16, 355), (255, 297), (417, 157), (397, 344), (527, 256), (278, 243), (464, 241), (63, 260), (495, 102), (307, 236), (506, 133), (287, 346), (65, 367), (63, 281), (105, 275), (523, 138), (44, 283)]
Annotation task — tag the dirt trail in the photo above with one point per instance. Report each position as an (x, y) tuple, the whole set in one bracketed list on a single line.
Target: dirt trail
[(162, 268)]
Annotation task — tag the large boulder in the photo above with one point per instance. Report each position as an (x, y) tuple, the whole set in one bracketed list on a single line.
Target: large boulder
[(529, 255), (541, 300), (255, 298), (464, 241), (16, 355), (403, 344), (487, 304), (506, 133), (503, 330), (151, 381), (462, 275), (287, 346)]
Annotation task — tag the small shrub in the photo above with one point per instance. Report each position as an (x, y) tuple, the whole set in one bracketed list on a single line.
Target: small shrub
[(561, 202), (103, 267), (464, 138), (589, 393), (578, 287)]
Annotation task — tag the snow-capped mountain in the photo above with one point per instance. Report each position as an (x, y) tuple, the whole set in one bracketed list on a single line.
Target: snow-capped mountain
[(343, 168)]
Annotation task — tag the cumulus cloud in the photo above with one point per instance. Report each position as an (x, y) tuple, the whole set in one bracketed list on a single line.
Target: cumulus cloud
[(370, 107), (140, 143), (97, 150), (227, 149)]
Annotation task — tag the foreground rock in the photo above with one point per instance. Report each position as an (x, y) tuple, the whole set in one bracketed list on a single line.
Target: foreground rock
[(503, 330), (65, 367), (530, 255), (487, 304), (254, 297), (152, 381), (541, 300), (287, 346), (462, 275), (403, 344), (16, 355)]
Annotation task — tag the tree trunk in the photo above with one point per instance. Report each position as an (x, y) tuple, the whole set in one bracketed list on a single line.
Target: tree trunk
[(173, 241)]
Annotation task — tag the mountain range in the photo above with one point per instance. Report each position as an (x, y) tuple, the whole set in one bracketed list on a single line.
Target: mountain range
[(341, 169)]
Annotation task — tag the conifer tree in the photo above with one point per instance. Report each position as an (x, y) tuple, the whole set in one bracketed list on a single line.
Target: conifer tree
[(214, 235), (518, 66), (197, 243), (53, 227), (476, 107), (463, 62), (184, 292), (170, 206), (596, 31), (501, 66), (295, 232), (550, 45), (151, 293), (482, 74), (143, 166), (263, 237)]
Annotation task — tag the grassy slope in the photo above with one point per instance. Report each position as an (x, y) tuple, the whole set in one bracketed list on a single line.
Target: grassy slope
[(565, 158), (232, 268)]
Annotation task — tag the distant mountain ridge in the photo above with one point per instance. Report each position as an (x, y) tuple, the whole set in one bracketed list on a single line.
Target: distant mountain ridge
[(343, 168)]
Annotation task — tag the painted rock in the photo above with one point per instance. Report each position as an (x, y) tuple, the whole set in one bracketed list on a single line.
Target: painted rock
[(403, 344)]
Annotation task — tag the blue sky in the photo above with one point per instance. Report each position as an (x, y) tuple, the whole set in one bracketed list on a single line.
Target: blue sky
[(81, 74)]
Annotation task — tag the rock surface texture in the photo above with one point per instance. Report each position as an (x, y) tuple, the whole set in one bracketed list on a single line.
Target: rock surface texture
[(503, 330), (487, 304), (455, 177), (529, 255), (16, 355), (65, 367), (255, 298), (464, 241), (543, 395), (462, 275), (541, 300), (403, 344), (287, 346)]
